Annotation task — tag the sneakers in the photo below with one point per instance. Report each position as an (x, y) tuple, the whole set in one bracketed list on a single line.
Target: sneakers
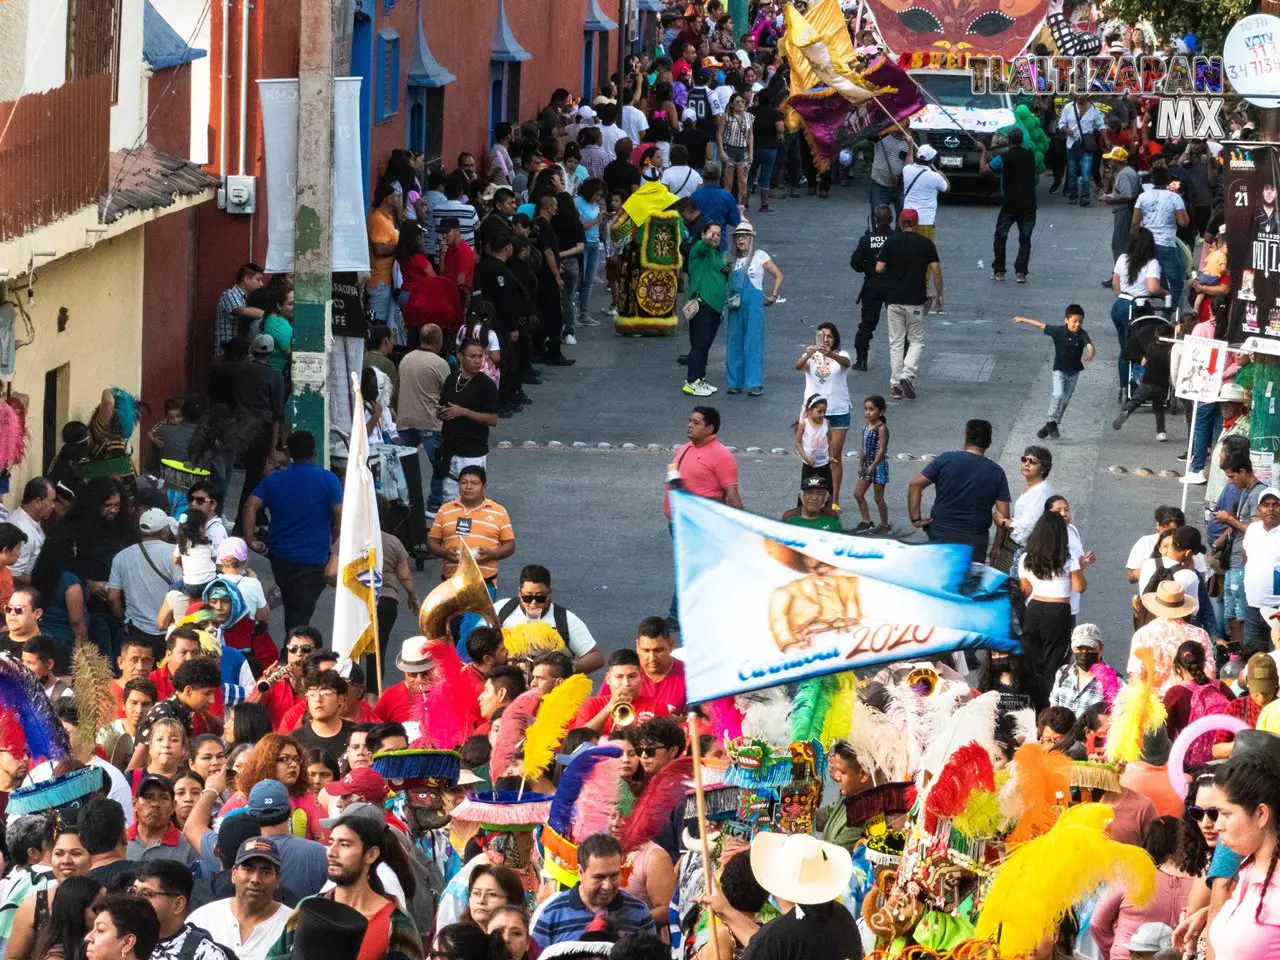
[(733, 391), (908, 388), (997, 275), (860, 363), (569, 340), (1053, 431), (864, 527), (884, 530), (699, 388), (1118, 422), (895, 392), (1020, 277), (1195, 478), (586, 321), (1043, 432), (753, 392), (1162, 437), (609, 311)]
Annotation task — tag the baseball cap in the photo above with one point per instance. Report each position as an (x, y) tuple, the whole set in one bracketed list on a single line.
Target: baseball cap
[(1261, 675), (1269, 492), (258, 848), (373, 815), (269, 802), (233, 548), (586, 113), (1152, 937), (154, 780), (262, 344), (154, 520), (926, 153), (1116, 153), (362, 782), (815, 482), (908, 216), (1086, 635)]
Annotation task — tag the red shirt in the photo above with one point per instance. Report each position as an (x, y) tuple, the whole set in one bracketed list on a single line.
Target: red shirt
[(645, 710), (475, 679), (395, 705), (460, 259), (666, 697), (280, 701), (706, 471), (377, 936)]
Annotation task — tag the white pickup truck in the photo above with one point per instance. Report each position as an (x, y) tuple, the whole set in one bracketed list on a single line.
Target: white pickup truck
[(963, 114)]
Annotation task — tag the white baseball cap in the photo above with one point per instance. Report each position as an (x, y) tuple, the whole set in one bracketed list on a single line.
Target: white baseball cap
[(926, 153)]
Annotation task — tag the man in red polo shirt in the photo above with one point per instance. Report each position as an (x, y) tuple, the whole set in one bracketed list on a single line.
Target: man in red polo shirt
[(703, 467), (662, 691), (396, 703)]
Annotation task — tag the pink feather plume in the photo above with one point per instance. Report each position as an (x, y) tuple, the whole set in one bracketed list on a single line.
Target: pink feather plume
[(515, 720), (446, 713), (661, 795), (725, 719), (13, 437), (598, 800), (1108, 680)]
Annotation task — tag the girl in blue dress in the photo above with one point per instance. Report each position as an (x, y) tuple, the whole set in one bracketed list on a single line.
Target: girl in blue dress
[(873, 465)]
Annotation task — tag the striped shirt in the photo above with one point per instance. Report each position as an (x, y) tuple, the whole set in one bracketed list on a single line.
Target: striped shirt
[(485, 525), (565, 917), (460, 210), (225, 323)]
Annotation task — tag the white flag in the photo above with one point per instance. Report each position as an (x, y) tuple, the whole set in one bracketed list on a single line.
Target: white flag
[(355, 611)]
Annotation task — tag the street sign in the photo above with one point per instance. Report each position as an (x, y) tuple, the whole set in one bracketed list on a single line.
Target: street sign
[(1200, 369)]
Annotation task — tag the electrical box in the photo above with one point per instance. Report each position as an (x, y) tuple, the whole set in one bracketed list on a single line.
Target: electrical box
[(238, 195)]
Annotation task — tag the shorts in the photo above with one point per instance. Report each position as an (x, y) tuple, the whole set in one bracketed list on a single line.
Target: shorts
[(613, 270), (735, 156), (1234, 605), (839, 421)]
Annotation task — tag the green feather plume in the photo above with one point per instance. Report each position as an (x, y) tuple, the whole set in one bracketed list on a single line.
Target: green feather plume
[(811, 703)]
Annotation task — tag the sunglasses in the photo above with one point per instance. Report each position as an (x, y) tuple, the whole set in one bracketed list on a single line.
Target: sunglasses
[(301, 648), (649, 751), (1196, 814), (1034, 461), (17, 611), (534, 597), (199, 500)]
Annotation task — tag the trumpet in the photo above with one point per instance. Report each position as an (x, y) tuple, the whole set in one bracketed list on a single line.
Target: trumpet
[(268, 679), (624, 715)]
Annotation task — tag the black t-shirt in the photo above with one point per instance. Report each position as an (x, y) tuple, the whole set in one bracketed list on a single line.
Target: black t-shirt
[(254, 389), (906, 257), (1020, 180), (109, 872), (567, 223), (621, 175), (966, 487), (1068, 347), (543, 238), (826, 932), (766, 128), (335, 746), (700, 102), (499, 286), (462, 436), (695, 140)]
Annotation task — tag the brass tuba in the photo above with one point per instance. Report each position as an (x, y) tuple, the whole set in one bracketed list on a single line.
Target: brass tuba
[(464, 592)]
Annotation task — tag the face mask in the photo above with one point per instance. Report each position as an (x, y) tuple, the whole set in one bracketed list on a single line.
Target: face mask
[(1086, 659), (1000, 663)]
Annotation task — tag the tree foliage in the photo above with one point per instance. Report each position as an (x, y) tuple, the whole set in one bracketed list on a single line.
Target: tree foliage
[(1210, 22)]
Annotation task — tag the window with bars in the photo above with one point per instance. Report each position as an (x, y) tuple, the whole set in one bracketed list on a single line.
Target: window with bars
[(93, 40), (388, 75)]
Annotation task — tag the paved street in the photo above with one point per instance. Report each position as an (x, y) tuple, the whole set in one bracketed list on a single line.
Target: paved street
[(593, 516)]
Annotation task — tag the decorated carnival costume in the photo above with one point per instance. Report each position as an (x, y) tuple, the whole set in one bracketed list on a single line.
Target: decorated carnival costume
[(648, 230)]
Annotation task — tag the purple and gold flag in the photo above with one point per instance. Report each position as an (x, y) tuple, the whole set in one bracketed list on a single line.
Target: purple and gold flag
[(832, 123)]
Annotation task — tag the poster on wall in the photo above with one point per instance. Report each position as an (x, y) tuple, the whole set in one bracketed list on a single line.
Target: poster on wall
[(1253, 238)]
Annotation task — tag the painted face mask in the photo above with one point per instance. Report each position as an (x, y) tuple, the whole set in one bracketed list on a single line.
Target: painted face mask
[(992, 27)]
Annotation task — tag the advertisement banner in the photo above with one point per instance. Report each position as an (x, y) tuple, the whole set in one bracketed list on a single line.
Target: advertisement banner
[(349, 243), (1200, 369), (1253, 238), (764, 603)]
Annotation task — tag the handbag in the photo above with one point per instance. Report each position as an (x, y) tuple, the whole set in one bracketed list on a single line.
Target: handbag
[(691, 307)]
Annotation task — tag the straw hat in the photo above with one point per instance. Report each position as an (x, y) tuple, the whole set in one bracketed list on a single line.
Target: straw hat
[(800, 868), (1169, 601)]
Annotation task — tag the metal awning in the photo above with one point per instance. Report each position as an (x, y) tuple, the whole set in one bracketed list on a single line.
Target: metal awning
[(506, 48), (162, 47), (424, 69), (652, 6), (597, 22)]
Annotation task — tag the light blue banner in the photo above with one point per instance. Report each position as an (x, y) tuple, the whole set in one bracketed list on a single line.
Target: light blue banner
[(764, 603)]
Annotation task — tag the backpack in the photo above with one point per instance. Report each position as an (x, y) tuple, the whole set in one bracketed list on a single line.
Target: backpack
[(1206, 700)]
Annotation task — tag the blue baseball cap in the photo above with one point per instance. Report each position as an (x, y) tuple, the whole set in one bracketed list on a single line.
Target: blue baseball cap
[(269, 802)]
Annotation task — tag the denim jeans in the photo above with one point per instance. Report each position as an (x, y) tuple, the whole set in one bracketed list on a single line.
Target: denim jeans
[(1005, 221), (1173, 269), (1079, 172), (590, 262), (1064, 385), (761, 172), (380, 302), (889, 196), (430, 442), (1207, 426), (1120, 320)]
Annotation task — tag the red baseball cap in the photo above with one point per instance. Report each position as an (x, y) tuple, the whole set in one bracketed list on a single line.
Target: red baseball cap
[(908, 216), (362, 782)]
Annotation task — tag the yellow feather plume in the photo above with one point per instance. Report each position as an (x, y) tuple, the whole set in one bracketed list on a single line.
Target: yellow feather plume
[(1138, 711), (1040, 880), (555, 714), (839, 721), (981, 817), (531, 639)]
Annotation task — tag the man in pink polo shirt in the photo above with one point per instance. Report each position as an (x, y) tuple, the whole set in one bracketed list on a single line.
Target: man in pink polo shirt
[(705, 468), (662, 686)]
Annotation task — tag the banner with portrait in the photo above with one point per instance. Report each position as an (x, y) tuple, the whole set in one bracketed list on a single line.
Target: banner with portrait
[(1252, 173), (764, 603)]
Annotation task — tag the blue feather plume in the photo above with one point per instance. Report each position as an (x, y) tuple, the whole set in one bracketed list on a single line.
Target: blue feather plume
[(21, 693), (571, 781), (126, 408)]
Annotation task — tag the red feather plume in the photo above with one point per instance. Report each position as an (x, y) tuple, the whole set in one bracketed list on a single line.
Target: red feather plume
[(515, 720), (969, 769), (661, 795), (446, 712)]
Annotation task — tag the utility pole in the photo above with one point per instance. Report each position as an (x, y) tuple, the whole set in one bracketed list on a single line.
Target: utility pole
[(313, 224)]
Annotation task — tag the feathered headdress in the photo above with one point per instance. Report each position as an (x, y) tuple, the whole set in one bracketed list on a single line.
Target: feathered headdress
[(446, 711), (1042, 879), (555, 715), (661, 795), (726, 721), (1108, 680), (126, 410), (598, 803), (572, 780), (13, 436), (974, 724), (880, 747), (1041, 786), (840, 715), (91, 678), (810, 706), (515, 721), (31, 713), (968, 769), (1138, 710), (766, 715), (917, 719), (531, 639)]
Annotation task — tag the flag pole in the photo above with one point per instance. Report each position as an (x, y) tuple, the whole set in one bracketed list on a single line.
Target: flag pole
[(377, 634), (701, 804)]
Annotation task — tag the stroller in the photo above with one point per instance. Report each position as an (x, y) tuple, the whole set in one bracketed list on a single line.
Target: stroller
[(1149, 320)]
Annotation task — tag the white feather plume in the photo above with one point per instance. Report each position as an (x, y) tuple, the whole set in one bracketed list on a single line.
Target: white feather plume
[(878, 743), (920, 718), (1024, 725), (975, 722), (766, 715)]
